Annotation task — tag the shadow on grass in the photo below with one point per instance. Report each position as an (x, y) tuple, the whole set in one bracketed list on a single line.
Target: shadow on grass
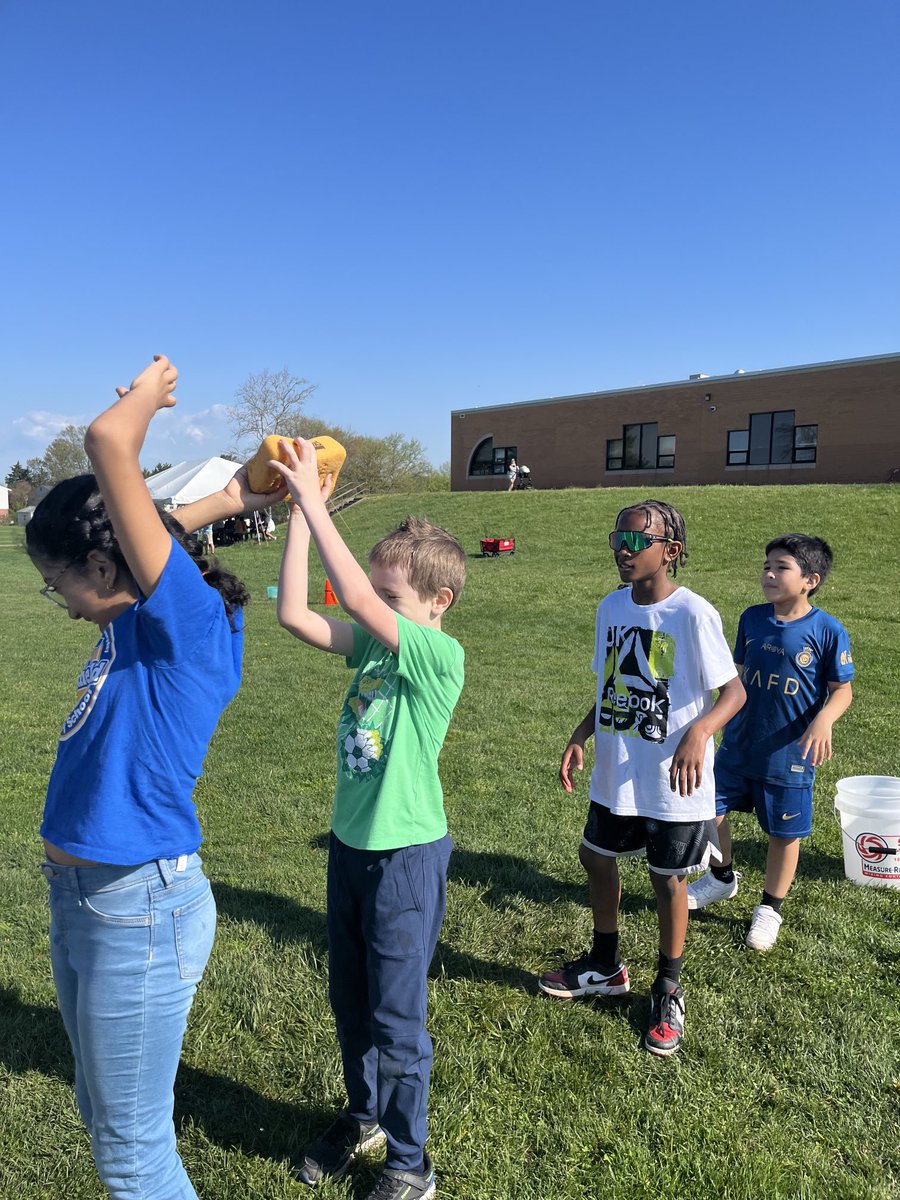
[(285, 922), (505, 877), (502, 878), (814, 863), (32, 1038)]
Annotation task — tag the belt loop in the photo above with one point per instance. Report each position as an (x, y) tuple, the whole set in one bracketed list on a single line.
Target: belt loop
[(165, 871)]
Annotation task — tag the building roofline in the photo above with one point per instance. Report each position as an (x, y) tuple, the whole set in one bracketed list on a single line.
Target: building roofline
[(706, 381)]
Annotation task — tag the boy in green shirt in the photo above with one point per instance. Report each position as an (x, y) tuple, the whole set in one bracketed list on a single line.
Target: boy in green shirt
[(389, 847)]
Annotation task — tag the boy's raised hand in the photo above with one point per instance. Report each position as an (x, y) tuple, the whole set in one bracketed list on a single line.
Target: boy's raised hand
[(301, 472), (157, 380)]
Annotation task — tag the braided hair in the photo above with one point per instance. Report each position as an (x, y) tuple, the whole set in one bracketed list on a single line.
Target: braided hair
[(670, 520), (72, 520)]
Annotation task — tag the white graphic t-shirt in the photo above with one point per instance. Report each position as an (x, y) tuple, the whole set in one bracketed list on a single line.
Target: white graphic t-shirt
[(657, 666)]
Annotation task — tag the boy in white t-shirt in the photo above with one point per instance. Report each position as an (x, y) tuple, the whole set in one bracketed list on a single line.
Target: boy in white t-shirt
[(660, 655)]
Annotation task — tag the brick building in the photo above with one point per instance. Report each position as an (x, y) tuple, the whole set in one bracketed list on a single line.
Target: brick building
[(834, 422)]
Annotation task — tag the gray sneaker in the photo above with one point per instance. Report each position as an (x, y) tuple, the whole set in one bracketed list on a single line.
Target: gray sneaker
[(333, 1151), (707, 890), (404, 1185)]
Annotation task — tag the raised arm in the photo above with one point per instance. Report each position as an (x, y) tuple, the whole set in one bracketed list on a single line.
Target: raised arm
[(350, 582), (113, 443), (294, 612)]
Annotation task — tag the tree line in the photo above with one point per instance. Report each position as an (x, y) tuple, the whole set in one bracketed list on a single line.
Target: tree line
[(267, 402)]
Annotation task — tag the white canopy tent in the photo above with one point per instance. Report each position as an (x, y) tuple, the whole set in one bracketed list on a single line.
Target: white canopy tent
[(188, 481)]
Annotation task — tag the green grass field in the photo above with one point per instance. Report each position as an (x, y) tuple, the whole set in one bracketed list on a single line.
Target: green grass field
[(788, 1082)]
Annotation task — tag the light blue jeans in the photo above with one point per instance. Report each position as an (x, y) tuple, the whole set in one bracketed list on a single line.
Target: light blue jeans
[(128, 947)]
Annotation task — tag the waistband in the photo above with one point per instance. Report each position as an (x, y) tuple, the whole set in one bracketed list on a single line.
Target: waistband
[(168, 871)]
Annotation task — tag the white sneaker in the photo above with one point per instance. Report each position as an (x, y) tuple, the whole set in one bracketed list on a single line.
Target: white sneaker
[(764, 928), (707, 890)]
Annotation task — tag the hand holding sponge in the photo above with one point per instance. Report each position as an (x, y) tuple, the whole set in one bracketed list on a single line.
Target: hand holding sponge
[(330, 456)]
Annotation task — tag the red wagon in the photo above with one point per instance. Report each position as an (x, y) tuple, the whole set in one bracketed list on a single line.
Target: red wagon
[(494, 547)]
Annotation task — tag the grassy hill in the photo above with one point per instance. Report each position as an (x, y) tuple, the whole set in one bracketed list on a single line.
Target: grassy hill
[(788, 1082)]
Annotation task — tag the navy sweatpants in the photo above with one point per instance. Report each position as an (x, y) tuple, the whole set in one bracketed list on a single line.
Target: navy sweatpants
[(385, 909)]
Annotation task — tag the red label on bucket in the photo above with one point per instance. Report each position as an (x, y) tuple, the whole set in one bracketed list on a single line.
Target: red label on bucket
[(879, 855)]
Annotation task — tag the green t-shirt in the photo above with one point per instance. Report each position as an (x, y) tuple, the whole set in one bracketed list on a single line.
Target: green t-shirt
[(390, 733)]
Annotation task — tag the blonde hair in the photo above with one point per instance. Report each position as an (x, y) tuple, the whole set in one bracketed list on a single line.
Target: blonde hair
[(431, 557)]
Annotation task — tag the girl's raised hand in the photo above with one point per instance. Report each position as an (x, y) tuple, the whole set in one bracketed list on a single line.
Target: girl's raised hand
[(157, 380), (243, 500)]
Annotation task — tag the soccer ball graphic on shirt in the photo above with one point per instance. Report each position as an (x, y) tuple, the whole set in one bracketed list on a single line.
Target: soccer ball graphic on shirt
[(362, 748)]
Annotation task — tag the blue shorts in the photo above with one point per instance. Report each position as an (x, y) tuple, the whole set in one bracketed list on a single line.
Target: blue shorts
[(783, 812)]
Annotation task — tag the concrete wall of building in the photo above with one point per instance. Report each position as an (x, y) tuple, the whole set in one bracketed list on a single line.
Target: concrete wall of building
[(855, 404)]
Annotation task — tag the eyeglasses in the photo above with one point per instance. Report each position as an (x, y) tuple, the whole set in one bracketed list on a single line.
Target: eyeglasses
[(629, 539), (49, 589)]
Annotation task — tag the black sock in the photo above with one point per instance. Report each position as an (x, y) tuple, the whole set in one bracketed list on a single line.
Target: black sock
[(724, 873), (773, 902), (605, 951), (668, 971)]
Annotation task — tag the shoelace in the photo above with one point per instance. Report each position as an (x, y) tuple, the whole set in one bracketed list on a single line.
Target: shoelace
[(667, 1004)]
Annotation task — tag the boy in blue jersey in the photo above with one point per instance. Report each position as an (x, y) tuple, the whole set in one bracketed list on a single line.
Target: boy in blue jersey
[(797, 667)]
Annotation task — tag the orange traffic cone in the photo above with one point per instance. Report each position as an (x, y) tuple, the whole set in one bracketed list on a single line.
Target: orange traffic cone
[(330, 597)]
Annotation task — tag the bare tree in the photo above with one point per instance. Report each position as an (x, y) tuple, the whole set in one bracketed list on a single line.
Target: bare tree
[(270, 402)]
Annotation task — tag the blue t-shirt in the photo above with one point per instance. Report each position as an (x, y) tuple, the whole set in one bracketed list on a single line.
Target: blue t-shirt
[(149, 698), (787, 666)]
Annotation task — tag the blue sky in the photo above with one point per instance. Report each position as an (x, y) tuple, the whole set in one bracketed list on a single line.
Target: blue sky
[(422, 206)]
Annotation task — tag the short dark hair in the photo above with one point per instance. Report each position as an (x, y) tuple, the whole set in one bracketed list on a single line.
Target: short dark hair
[(431, 557), (813, 555), (670, 519), (72, 520)]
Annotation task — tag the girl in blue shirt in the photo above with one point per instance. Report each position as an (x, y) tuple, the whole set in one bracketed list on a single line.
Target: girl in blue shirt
[(132, 913)]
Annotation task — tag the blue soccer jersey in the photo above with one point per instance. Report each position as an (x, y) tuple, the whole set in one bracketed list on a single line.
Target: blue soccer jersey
[(787, 666)]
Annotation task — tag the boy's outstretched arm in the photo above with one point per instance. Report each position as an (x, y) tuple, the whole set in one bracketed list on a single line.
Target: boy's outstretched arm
[(113, 442), (686, 771), (816, 742), (350, 582), (293, 610), (573, 755)]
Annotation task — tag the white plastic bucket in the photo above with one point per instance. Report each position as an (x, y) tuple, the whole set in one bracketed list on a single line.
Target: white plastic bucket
[(869, 808)]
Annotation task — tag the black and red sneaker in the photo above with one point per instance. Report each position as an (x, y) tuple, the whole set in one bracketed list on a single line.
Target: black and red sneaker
[(583, 978), (666, 1020)]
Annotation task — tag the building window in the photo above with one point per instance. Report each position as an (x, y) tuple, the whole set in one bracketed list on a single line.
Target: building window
[(489, 459), (640, 448), (806, 438), (665, 451), (738, 445), (772, 438)]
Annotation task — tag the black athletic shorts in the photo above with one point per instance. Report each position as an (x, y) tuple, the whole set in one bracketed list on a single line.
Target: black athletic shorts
[(672, 847)]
